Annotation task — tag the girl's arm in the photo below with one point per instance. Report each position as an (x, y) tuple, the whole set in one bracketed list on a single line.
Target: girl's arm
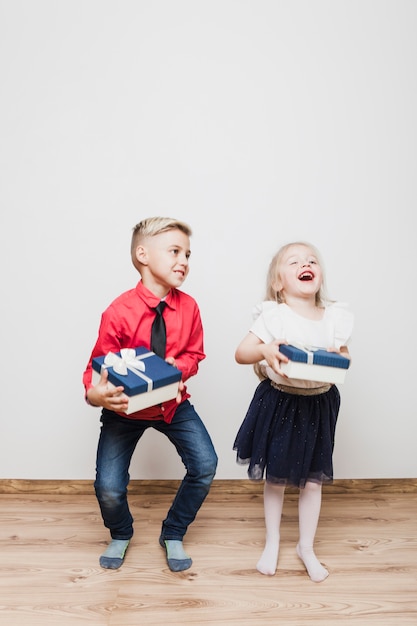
[(252, 350)]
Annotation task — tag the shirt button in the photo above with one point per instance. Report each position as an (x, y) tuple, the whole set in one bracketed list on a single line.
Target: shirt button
[(162, 408)]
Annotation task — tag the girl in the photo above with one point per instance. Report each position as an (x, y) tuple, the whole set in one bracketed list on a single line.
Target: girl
[(288, 431)]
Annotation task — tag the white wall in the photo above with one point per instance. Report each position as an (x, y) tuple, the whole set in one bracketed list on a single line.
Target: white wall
[(258, 122)]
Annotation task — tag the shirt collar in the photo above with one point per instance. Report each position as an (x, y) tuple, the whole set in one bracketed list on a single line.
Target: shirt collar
[(151, 299)]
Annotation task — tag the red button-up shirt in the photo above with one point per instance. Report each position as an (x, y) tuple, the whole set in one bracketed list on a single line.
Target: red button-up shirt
[(127, 322)]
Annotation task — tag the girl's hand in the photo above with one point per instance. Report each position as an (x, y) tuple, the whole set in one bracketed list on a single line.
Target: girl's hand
[(112, 399), (343, 351), (274, 357), (252, 350)]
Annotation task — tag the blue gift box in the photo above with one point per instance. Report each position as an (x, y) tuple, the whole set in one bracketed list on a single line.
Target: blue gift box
[(147, 379), (316, 364)]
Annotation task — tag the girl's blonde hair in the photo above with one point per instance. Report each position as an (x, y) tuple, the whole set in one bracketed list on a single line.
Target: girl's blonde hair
[(274, 269), (277, 296)]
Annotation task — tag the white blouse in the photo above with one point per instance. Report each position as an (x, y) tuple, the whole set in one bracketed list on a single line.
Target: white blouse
[(279, 321)]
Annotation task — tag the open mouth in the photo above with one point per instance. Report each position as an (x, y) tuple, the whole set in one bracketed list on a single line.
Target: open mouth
[(307, 275)]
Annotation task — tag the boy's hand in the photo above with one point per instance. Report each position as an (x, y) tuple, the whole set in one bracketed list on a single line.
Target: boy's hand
[(180, 389), (171, 361), (112, 399)]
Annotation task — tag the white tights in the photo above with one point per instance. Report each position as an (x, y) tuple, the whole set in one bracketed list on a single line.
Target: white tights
[(309, 506)]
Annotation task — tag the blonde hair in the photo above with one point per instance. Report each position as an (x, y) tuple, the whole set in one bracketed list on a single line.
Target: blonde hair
[(274, 269), (152, 226), (277, 296)]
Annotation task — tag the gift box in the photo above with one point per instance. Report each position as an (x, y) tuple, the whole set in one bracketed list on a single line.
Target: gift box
[(316, 364), (147, 379)]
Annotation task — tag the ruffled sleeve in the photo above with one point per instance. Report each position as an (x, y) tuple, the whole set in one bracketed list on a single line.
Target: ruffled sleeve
[(257, 310), (343, 320), (267, 323)]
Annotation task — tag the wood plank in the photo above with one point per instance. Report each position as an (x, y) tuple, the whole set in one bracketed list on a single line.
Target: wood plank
[(219, 486), (49, 571)]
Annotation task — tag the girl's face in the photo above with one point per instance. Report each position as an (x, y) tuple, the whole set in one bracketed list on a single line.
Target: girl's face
[(299, 274)]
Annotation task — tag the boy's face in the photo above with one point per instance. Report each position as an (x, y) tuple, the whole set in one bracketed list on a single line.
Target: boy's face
[(164, 260)]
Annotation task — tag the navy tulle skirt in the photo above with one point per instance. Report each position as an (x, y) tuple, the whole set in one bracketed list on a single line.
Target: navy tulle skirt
[(288, 439)]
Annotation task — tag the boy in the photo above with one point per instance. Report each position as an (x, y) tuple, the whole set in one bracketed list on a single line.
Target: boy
[(160, 252)]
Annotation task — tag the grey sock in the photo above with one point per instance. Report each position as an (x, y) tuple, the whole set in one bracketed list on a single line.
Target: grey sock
[(114, 555), (177, 559)]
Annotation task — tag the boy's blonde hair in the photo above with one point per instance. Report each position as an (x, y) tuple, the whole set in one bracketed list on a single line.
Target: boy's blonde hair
[(273, 273), (152, 226)]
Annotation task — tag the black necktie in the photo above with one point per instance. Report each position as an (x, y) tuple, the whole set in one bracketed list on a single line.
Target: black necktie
[(158, 332)]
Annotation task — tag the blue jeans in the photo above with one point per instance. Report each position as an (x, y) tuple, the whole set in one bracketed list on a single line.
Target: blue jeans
[(117, 442)]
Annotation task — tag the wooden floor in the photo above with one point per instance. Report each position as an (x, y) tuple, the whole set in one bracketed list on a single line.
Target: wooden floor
[(49, 571)]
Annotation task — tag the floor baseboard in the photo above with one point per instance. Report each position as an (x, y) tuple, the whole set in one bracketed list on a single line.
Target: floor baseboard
[(219, 486)]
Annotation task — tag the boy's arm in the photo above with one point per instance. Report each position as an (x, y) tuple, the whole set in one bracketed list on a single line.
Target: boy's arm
[(111, 399), (107, 341), (192, 353)]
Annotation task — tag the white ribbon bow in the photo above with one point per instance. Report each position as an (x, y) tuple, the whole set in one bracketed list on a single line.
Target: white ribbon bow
[(126, 360)]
